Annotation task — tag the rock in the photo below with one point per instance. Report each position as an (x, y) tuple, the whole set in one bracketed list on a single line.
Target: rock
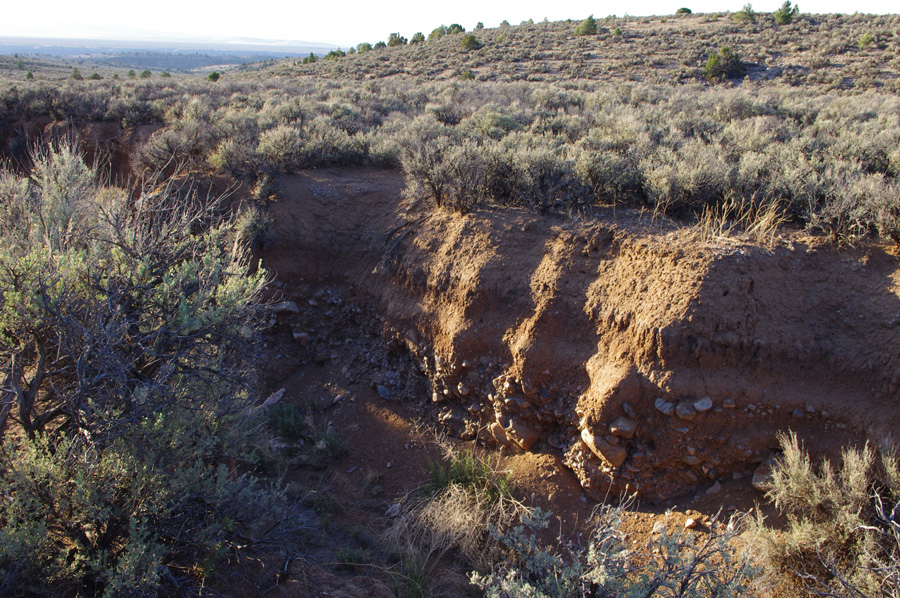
[(524, 436), (728, 403), (691, 459), (301, 337), (762, 477), (499, 433), (659, 527), (437, 397), (623, 427), (664, 406), (383, 392), (286, 307), (685, 411), (715, 488), (274, 398), (703, 404), (322, 357), (462, 389), (691, 523), (393, 510), (628, 409), (610, 453)]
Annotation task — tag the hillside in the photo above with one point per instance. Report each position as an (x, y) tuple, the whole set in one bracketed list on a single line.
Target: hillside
[(346, 324)]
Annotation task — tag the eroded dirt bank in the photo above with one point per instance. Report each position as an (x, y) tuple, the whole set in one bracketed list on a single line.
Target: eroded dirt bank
[(654, 363)]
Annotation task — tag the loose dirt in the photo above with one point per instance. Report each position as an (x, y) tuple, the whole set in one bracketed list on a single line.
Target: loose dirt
[(596, 358)]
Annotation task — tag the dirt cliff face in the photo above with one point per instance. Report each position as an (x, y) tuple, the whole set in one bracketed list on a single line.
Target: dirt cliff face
[(654, 362)]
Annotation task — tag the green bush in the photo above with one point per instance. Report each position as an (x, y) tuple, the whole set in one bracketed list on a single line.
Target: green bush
[(146, 74), (587, 26), (842, 536), (128, 322), (684, 11), (724, 64), (455, 28), (865, 40), (379, 46), (213, 76), (76, 74), (395, 39), (132, 74), (95, 77), (364, 47), (745, 15), (336, 54), (469, 42), (437, 33), (312, 58), (786, 13), (417, 38)]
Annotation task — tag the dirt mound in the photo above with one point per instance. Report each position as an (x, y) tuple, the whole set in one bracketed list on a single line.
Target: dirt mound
[(655, 363)]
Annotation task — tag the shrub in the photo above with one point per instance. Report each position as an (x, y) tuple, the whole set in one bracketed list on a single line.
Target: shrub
[(76, 74), (380, 46), (724, 64), (132, 74), (417, 38), (786, 13), (94, 77), (395, 39), (587, 26), (842, 537), (29, 76), (479, 26), (146, 74), (213, 76), (128, 322), (165, 74), (680, 563), (684, 11), (363, 47), (745, 15), (865, 40), (617, 32), (336, 54), (455, 28), (437, 33), (312, 58), (469, 42)]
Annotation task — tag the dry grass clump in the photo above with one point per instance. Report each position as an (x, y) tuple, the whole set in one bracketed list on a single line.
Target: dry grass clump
[(463, 501), (843, 535)]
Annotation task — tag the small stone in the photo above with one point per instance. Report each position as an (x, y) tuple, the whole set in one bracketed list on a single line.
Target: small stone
[(810, 409), (691, 459), (437, 397), (393, 510), (274, 398), (499, 433), (313, 303), (691, 523), (703, 404), (388, 464), (462, 389), (685, 411), (383, 392), (301, 337), (525, 437), (798, 414), (659, 527), (715, 488), (628, 409), (610, 453), (762, 477), (728, 403), (286, 307), (623, 427), (664, 406)]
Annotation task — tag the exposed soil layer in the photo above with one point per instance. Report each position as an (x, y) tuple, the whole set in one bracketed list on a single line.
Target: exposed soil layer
[(653, 362)]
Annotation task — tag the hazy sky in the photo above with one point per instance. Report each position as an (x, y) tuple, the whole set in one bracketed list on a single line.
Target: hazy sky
[(344, 22)]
